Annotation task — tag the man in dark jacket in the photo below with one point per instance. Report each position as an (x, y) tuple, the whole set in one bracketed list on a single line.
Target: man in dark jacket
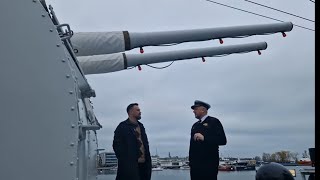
[(207, 135), (131, 146)]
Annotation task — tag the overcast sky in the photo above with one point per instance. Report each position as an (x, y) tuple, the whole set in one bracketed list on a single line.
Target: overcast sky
[(266, 103)]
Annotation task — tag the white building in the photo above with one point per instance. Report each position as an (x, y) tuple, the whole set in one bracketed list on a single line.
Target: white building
[(155, 161), (108, 159)]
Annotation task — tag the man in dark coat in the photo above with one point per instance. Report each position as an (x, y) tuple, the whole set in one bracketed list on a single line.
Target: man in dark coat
[(207, 135), (131, 147)]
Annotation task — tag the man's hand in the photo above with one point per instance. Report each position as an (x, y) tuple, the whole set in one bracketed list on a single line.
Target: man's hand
[(198, 137)]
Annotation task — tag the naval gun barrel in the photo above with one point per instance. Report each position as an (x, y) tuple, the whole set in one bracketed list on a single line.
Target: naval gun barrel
[(118, 61), (95, 43)]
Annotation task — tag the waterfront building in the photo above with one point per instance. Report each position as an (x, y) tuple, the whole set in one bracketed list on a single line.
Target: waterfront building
[(108, 159), (155, 161)]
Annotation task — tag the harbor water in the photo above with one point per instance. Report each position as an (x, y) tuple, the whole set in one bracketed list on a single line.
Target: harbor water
[(172, 174)]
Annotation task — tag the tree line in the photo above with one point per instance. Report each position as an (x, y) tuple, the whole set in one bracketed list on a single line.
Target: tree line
[(281, 156)]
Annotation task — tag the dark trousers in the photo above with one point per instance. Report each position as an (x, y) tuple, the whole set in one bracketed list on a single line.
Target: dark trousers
[(142, 171), (203, 173)]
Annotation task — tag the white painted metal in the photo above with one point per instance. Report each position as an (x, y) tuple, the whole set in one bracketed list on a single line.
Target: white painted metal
[(42, 87), (87, 147), (39, 100), (168, 37), (136, 59)]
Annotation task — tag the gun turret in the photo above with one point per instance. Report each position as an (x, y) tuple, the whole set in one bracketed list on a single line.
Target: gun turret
[(118, 61), (95, 43)]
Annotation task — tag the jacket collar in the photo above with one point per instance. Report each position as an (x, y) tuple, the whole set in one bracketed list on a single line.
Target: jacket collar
[(203, 119), (131, 124)]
